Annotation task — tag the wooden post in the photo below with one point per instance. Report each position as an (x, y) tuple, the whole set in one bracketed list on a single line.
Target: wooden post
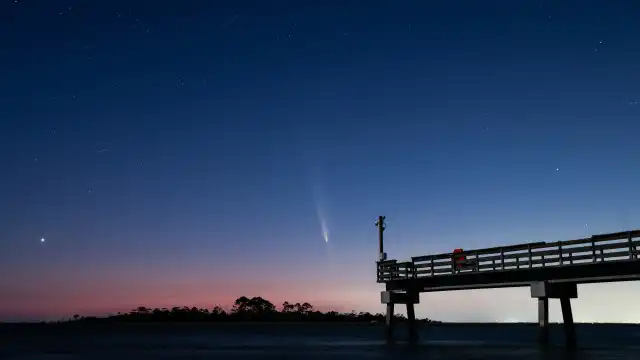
[(560, 259), (569, 327), (433, 270), (411, 320), (543, 321), (389, 323)]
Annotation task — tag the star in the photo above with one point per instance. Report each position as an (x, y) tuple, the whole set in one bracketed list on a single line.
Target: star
[(41, 240)]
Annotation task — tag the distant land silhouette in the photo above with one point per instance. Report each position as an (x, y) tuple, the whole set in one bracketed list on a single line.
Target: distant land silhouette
[(244, 310), (258, 309)]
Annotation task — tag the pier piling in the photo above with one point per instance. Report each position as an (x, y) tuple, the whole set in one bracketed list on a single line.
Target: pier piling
[(411, 322), (390, 298), (543, 321), (569, 327), (544, 291), (389, 323)]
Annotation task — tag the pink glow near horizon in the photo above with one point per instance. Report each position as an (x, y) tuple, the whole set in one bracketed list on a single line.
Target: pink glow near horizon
[(481, 305), (57, 301)]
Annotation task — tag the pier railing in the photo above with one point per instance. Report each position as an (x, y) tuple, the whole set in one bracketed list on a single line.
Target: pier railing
[(621, 246)]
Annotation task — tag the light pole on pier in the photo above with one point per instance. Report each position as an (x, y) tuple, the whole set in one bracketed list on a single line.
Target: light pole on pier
[(381, 226)]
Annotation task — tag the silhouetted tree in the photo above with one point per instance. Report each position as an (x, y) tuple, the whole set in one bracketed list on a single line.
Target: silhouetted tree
[(241, 305), (218, 311), (287, 308)]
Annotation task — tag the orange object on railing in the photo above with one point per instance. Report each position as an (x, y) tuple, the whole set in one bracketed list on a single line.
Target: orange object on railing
[(459, 260)]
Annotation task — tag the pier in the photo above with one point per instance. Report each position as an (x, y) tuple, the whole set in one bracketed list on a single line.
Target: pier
[(552, 270)]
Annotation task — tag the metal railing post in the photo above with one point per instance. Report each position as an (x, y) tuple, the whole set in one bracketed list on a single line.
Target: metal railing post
[(453, 264), (561, 261), (433, 271)]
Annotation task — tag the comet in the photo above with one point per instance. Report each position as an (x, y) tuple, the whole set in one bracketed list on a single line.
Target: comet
[(323, 223), (318, 204), (314, 178), (318, 200)]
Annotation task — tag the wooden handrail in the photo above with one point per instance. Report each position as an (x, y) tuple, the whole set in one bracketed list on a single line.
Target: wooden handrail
[(519, 257), (536, 245)]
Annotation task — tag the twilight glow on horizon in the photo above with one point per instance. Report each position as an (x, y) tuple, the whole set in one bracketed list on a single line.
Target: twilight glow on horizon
[(187, 153)]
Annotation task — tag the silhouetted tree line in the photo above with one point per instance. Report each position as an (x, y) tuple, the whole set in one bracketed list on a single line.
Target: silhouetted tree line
[(244, 309)]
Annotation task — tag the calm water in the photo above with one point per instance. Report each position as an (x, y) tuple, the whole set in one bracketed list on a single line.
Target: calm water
[(303, 341)]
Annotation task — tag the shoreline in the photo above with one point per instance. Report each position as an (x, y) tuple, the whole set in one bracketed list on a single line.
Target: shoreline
[(276, 323)]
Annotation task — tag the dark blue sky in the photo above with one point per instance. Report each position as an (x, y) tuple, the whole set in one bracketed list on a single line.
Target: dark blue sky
[(188, 152)]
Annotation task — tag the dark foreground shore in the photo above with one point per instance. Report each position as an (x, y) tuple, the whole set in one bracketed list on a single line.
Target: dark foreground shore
[(353, 341)]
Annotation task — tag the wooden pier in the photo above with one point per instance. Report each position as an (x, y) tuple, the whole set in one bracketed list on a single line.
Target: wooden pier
[(552, 270)]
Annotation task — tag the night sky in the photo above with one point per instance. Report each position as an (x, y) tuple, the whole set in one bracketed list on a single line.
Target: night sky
[(191, 152)]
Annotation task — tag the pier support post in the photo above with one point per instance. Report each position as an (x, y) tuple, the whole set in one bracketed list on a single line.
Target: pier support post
[(411, 322), (567, 318), (543, 321), (390, 298), (544, 291), (389, 325)]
